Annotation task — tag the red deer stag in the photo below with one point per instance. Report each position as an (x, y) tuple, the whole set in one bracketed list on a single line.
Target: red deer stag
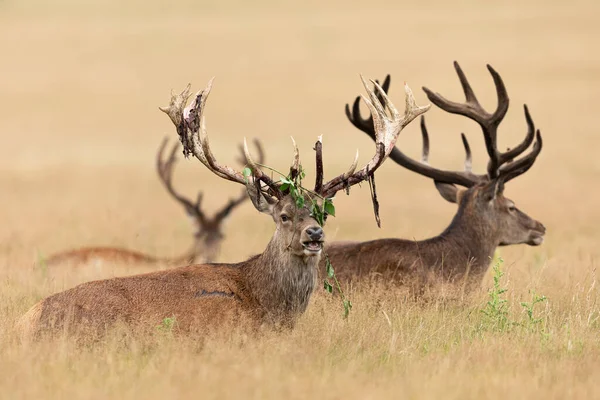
[(485, 218), (208, 231), (272, 288)]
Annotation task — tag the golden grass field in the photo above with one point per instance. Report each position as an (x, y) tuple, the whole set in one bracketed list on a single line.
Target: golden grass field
[(80, 83)]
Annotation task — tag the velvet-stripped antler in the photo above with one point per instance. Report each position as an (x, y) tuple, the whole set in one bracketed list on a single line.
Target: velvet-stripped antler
[(501, 165), (191, 127), (386, 129)]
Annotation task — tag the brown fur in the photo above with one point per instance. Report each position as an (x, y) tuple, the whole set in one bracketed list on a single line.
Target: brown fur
[(485, 218), (460, 254), (272, 288)]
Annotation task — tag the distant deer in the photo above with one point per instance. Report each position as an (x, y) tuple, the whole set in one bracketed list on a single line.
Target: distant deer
[(208, 231), (272, 288), (485, 218)]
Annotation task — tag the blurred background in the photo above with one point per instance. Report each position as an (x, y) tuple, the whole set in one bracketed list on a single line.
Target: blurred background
[(81, 82)]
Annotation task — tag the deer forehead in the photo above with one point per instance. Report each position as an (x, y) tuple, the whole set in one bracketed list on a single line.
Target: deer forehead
[(293, 210)]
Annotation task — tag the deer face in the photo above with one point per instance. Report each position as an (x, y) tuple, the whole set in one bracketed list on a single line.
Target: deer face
[(296, 227), (493, 214), (513, 225)]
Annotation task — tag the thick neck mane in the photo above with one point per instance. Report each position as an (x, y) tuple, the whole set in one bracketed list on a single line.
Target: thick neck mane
[(281, 282)]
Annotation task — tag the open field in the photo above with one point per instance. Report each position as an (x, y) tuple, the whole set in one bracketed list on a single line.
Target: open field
[(80, 83)]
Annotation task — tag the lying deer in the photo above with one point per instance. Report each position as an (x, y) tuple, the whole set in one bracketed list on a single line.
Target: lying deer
[(208, 231), (272, 288), (485, 218)]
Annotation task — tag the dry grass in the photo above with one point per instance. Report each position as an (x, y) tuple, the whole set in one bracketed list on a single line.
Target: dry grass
[(79, 87)]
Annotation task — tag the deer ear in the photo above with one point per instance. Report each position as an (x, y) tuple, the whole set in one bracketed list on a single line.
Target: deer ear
[(262, 202), (448, 191)]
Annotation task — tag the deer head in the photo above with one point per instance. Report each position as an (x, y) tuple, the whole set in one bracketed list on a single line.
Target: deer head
[(297, 230), (481, 197)]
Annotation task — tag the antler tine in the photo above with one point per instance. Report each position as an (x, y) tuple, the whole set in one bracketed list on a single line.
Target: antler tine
[(259, 175), (468, 155), (294, 169), (319, 164), (165, 173), (425, 138), (387, 129), (199, 198), (261, 153), (355, 117), (512, 170), (524, 145)]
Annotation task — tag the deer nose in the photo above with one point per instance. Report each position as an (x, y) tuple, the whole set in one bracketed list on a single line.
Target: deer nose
[(542, 228), (315, 233)]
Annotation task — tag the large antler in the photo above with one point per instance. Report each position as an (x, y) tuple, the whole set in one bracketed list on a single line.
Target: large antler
[(165, 169), (191, 127), (465, 178), (165, 173), (501, 164), (386, 129)]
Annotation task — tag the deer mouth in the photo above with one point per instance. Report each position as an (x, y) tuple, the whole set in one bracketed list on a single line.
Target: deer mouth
[(536, 238), (312, 246)]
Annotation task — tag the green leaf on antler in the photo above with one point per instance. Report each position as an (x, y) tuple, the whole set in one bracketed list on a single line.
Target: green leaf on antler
[(246, 172), (328, 207)]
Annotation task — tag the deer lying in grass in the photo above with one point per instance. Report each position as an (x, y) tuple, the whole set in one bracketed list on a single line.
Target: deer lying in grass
[(485, 218), (272, 288), (208, 231)]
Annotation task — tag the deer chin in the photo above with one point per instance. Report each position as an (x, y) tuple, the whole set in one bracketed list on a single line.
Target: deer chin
[(312, 247)]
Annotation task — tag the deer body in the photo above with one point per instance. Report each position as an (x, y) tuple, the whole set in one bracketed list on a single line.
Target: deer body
[(267, 288), (272, 288), (462, 252), (485, 219)]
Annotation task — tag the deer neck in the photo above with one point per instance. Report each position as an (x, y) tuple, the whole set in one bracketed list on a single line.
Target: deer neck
[(281, 282), (475, 238)]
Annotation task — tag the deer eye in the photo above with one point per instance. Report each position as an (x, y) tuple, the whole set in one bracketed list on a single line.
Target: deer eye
[(512, 208), (284, 218)]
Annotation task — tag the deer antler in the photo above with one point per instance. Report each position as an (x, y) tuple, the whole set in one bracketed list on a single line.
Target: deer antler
[(191, 127), (193, 134), (165, 173), (243, 196), (386, 130), (165, 169), (500, 164)]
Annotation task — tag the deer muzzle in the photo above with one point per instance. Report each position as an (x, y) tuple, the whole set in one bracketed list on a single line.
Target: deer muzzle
[(314, 244)]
